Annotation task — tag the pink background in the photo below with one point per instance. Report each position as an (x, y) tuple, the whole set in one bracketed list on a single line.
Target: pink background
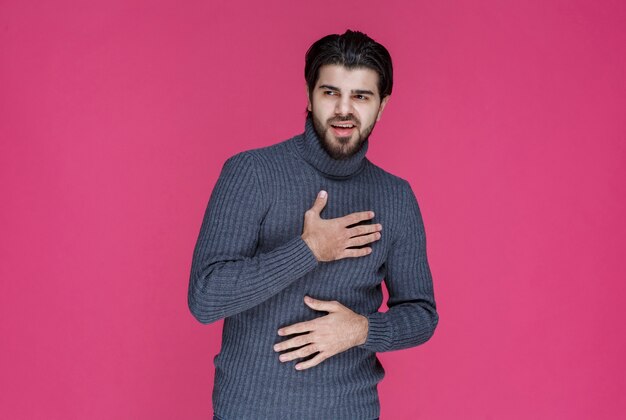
[(508, 118)]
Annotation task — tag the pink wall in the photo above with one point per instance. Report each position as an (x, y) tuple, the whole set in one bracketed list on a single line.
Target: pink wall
[(508, 119)]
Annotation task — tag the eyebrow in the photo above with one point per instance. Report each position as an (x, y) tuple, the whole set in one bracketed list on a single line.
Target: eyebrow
[(355, 91)]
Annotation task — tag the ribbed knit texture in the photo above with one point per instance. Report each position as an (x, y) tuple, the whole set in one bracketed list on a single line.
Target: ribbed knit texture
[(251, 267)]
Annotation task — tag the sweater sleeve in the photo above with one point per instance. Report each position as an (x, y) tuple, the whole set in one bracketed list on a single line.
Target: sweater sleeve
[(227, 275), (412, 316)]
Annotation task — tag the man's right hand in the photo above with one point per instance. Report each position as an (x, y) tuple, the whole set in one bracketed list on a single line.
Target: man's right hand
[(330, 238)]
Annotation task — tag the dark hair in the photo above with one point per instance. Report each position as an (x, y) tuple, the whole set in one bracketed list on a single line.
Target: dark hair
[(352, 50)]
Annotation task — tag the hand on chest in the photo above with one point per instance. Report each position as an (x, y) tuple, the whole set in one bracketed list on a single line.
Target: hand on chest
[(286, 216)]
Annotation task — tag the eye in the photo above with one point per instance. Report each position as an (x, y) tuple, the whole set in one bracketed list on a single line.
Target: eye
[(329, 92), (361, 97)]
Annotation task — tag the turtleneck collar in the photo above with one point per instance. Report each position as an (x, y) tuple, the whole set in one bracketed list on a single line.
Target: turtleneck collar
[(309, 147)]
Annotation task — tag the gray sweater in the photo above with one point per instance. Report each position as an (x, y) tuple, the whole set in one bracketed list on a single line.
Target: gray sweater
[(252, 268)]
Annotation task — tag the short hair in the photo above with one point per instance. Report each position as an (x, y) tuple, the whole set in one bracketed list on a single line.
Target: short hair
[(352, 49)]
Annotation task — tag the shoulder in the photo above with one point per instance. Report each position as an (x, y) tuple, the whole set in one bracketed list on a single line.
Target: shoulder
[(257, 156), (398, 190), (393, 182)]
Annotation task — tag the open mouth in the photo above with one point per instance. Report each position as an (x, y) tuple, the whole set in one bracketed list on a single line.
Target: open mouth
[(343, 129)]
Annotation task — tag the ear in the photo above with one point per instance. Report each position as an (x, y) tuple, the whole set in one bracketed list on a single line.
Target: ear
[(308, 98), (382, 107)]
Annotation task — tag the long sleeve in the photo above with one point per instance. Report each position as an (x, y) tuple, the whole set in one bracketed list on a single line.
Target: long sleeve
[(227, 276), (412, 316)]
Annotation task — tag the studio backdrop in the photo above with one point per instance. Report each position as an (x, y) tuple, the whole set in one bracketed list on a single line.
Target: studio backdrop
[(507, 118)]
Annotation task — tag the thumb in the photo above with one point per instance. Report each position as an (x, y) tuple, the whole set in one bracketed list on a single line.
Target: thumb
[(320, 202), (321, 305)]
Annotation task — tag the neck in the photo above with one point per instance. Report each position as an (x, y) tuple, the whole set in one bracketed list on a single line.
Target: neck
[(310, 148)]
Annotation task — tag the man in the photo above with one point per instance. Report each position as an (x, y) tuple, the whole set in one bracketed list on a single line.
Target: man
[(299, 286)]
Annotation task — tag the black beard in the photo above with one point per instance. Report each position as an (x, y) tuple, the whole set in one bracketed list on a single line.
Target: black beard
[(335, 153)]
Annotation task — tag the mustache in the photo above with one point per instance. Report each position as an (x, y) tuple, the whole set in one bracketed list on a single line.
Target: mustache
[(344, 119)]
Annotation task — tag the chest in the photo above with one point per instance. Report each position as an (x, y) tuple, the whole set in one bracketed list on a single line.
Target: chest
[(291, 197)]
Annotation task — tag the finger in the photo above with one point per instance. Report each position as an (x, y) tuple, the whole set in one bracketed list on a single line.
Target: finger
[(354, 253), (353, 218), (298, 354), (312, 362), (320, 201), (321, 305), (300, 327), (365, 239), (298, 341), (364, 229)]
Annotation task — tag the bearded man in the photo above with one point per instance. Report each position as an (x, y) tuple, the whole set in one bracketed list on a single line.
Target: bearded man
[(295, 243)]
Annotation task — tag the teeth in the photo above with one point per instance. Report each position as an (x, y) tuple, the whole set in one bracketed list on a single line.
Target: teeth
[(344, 125)]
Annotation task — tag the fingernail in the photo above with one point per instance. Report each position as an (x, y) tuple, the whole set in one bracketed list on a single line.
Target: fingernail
[(371, 214), (275, 348), (322, 194)]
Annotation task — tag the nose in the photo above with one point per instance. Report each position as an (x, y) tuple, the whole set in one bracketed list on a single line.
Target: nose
[(343, 106)]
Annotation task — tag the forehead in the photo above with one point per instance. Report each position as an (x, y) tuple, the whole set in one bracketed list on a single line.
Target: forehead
[(348, 79)]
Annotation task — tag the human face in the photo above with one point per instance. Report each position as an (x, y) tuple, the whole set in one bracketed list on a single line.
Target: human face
[(343, 96)]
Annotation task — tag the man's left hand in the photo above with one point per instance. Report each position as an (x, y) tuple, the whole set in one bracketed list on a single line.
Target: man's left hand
[(331, 334)]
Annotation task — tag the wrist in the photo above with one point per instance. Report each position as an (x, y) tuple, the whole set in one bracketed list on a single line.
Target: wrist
[(308, 242), (363, 328)]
